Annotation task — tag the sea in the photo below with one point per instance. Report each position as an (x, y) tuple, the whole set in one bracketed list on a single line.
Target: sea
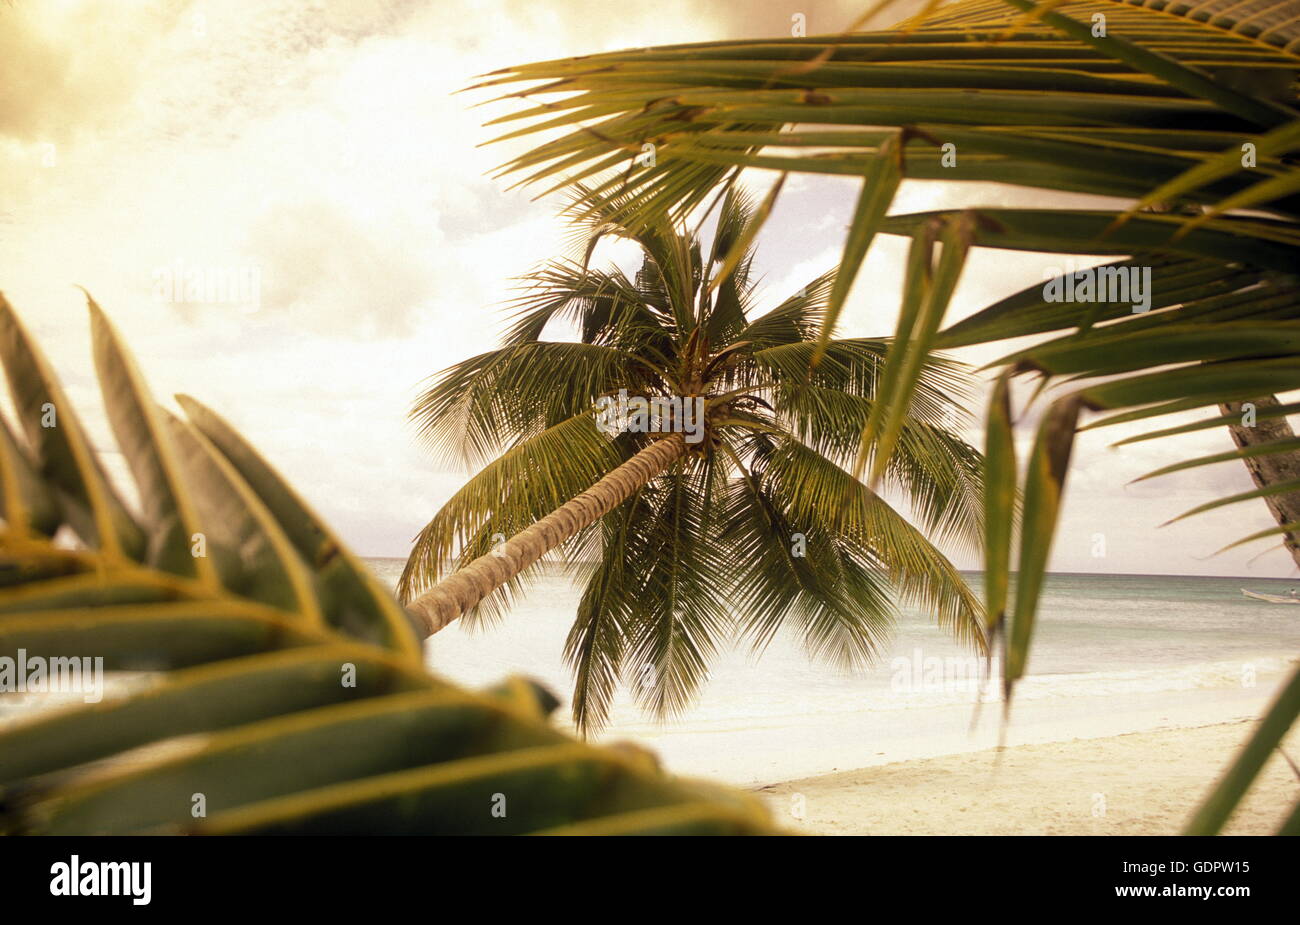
[(1112, 655)]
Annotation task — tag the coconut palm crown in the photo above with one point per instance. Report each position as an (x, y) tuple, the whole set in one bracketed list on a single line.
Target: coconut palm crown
[(680, 456)]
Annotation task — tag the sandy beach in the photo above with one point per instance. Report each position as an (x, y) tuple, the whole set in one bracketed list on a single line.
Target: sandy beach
[(1144, 783)]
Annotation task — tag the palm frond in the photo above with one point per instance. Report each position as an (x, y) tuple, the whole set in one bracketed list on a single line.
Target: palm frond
[(797, 573), (475, 409), (680, 619), (597, 642), (812, 489)]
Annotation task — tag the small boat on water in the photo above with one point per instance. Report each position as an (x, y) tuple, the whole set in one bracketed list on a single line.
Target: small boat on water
[(1271, 598)]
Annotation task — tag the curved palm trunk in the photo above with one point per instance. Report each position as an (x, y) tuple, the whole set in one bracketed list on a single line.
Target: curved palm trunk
[(460, 591), (1271, 470)]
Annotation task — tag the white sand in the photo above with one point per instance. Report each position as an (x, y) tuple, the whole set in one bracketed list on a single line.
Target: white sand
[(1144, 783)]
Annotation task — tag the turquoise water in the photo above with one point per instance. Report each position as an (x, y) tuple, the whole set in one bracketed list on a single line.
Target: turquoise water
[(1111, 654)]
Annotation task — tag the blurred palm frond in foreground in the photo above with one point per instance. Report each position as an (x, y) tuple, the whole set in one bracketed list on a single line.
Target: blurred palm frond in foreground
[(273, 685)]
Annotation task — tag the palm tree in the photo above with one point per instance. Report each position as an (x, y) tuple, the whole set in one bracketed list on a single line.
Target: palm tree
[(746, 525), (1188, 110), (276, 678)]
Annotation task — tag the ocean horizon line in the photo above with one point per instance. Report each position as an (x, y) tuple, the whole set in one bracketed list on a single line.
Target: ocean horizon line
[(976, 571)]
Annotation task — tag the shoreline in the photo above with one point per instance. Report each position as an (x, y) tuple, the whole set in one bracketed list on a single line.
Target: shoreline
[(770, 747), (1137, 783)]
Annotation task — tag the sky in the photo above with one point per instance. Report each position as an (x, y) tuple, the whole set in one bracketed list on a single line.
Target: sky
[(315, 163)]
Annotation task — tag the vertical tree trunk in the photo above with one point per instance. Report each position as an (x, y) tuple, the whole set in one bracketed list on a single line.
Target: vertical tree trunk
[(1271, 470), (460, 591)]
